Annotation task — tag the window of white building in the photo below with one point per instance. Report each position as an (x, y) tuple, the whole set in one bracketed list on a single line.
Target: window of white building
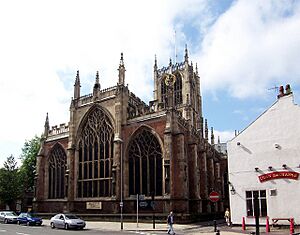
[(262, 200)]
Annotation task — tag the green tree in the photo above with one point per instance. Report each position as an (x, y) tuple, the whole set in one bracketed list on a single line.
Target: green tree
[(10, 182), (28, 160)]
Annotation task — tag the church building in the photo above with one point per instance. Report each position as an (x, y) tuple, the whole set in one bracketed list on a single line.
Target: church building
[(115, 147)]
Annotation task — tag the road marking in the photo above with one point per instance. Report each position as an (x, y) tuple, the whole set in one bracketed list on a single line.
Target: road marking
[(3, 231), (22, 233)]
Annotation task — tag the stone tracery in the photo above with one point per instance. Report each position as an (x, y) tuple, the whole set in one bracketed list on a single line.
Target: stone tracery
[(95, 156), (57, 167), (145, 165)]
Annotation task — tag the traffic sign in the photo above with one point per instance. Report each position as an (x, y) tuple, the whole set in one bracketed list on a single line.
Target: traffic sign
[(143, 204), (214, 196)]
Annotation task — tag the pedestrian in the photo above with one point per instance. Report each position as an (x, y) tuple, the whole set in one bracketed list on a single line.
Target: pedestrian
[(170, 222), (227, 216)]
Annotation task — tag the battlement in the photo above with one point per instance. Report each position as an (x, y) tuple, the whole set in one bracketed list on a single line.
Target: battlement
[(177, 66), (110, 91), (57, 130)]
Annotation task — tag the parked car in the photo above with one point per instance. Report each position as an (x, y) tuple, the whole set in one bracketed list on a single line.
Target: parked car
[(29, 219), (8, 217), (66, 221)]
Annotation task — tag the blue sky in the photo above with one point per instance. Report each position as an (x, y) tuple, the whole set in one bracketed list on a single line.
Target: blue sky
[(242, 49)]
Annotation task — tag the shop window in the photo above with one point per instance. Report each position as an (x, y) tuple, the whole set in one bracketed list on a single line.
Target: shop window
[(262, 201)]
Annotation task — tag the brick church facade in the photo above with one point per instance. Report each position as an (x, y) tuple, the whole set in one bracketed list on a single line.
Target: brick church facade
[(115, 146)]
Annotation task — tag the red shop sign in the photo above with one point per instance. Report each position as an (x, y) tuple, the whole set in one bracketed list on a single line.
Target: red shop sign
[(279, 175)]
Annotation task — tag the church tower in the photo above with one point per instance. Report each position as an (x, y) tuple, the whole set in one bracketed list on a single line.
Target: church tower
[(186, 95)]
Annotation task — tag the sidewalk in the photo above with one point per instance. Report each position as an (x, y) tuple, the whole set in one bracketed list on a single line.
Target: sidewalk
[(190, 229)]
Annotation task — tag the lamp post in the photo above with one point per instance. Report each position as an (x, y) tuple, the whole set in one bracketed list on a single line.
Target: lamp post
[(119, 140)]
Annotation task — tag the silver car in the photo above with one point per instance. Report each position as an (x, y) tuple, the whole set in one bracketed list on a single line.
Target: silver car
[(8, 217), (66, 221)]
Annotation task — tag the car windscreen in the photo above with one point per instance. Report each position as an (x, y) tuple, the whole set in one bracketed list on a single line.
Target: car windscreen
[(30, 215), (11, 214), (71, 217)]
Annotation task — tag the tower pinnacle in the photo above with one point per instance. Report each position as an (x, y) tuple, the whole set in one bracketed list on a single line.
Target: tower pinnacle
[(186, 56), (46, 126), (121, 70), (155, 63), (97, 86), (77, 86)]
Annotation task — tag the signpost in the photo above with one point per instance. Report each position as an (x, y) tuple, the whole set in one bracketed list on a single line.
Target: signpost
[(214, 196)]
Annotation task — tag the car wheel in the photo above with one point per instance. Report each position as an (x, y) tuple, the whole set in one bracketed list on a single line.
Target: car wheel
[(66, 226), (52, 225), (5, 221)]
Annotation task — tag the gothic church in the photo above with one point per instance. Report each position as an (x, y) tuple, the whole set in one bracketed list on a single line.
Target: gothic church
[(115, 146)]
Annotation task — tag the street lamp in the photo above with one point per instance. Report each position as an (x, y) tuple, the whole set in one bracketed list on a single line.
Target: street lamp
[(119, 140)]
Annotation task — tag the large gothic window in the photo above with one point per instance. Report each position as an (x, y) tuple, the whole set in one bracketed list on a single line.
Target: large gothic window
[(57, 168), (145, 165), (178, 89), (95, 156), (163, 92)]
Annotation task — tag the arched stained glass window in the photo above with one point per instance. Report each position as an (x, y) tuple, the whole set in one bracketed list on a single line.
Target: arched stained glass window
[(145, 165), (57, 168), (95, 156)]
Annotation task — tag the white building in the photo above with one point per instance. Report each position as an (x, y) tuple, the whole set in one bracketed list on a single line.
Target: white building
[(264, 159)]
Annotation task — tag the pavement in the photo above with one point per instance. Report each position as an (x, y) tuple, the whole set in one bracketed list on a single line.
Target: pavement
[(204, 228)]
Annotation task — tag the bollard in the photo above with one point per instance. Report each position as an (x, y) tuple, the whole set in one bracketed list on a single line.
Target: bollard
[(243, 224), (267, 225), (218, 232), (215, 226), (292, 230)]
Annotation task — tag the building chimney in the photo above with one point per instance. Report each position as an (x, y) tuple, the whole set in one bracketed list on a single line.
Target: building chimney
[(288, 89), (281, 92)]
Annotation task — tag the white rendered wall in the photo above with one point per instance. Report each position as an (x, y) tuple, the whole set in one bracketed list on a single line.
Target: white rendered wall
[(280, 124)]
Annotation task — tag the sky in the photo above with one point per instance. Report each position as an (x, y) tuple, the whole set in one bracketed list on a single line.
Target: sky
[(243, 49)]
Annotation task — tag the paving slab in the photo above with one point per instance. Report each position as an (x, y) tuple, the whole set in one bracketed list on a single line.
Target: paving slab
[(190, 229)]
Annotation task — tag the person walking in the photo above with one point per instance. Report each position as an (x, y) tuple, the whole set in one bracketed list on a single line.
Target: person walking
[(170, 222), (227, 216)]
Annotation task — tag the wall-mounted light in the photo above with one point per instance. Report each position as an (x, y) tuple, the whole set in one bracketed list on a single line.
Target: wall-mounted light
[(256, 169), (284, 166), (270, 168), (277, 146), (232, 189)]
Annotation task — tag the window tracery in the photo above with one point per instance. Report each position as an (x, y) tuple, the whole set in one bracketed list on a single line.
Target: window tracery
[(57, 168), (95, 150), (164, 92), (178, 89), (145, 165)]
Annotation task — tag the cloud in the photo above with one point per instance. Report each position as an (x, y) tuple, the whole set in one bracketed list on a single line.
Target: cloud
[(251, 46), (43, 44), (223, 135)]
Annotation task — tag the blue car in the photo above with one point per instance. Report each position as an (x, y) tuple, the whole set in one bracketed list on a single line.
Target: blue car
[(28, 219)]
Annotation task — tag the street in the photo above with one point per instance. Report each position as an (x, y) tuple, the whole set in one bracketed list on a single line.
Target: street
[(13, 229)]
